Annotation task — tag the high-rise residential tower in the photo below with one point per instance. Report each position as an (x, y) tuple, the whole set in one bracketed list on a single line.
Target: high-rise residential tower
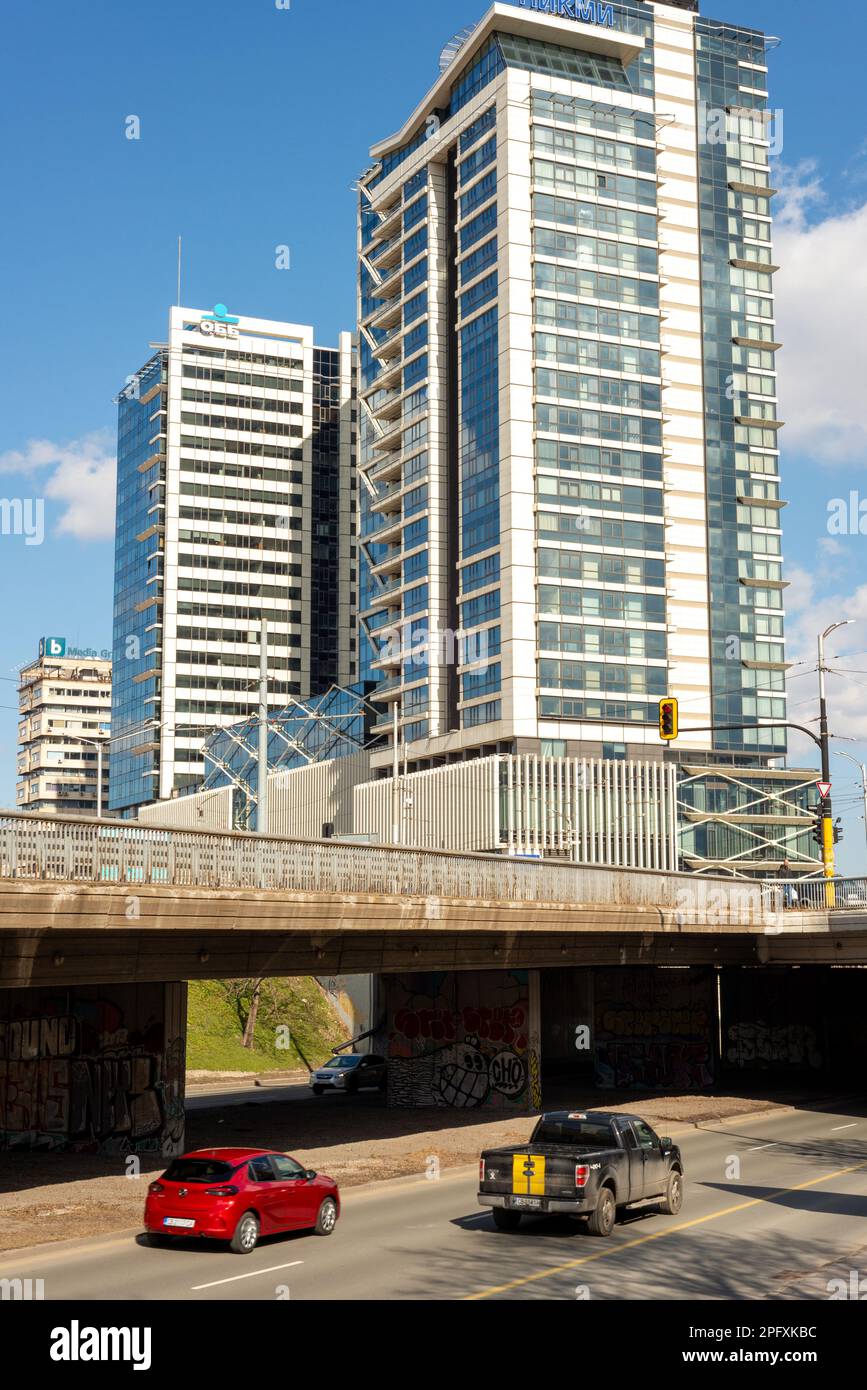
[(235, 503), (568, 429)]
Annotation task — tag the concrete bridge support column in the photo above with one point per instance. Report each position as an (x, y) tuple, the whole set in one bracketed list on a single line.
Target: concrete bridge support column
[(93, 1068), (467, 1040)]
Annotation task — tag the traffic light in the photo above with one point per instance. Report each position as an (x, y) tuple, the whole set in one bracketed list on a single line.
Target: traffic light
[(838, 831), (818, 835), (668, 720)]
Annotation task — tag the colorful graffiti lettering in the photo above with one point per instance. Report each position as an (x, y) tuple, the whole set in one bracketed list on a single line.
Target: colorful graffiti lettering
[(677, 1066), (760, 1044), (496, 1024), (453, 1050), (89, 1082)]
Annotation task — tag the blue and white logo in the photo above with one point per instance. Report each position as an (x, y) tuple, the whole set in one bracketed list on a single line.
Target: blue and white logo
[(220, 315), (52, 646)]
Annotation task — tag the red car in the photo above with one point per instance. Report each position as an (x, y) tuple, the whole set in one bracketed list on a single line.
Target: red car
[(239, 1195)]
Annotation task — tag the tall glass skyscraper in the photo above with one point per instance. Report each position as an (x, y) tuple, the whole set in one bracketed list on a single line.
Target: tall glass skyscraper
[(235, 503), (568, 434)]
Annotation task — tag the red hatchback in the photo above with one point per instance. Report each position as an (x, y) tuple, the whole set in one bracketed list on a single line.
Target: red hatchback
[(239, 1195)]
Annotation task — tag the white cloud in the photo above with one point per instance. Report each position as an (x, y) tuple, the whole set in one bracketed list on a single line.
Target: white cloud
[(80, 476), (810, 611), (822, 308)]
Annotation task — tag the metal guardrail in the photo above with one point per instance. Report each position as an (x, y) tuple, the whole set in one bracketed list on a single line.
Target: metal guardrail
[(68, 850), (815, 894), (62, 849)]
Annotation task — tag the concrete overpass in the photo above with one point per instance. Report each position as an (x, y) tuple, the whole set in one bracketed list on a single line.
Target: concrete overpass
[(85, 901), (489, 968)]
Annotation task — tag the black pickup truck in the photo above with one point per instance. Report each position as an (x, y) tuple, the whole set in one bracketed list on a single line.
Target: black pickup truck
[(592, 1164)]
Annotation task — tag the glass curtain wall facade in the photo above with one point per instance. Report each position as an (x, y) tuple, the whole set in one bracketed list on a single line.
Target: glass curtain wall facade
[(235, 504), (568, 453), (743, 482)]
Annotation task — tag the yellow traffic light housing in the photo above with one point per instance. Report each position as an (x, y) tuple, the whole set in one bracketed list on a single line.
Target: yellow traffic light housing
[(669, 723)]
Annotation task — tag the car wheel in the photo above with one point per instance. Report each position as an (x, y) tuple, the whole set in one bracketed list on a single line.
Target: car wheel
[(351, 1086), (506, 1220), (673, 1198), (246, 1236), (602, 1220), (327, 1218), (317, 1090)]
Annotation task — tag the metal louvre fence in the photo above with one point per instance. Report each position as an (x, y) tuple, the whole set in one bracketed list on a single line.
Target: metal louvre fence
[(65, 850)]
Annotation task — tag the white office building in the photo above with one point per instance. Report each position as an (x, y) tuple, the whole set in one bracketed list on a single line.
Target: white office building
[(64, 707), (235, 503)]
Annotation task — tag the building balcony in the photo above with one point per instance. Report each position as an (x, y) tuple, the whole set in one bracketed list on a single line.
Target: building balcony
[(388, 530), (390, 564), (387, 256), (391, 284), (391, 438), (388, 502), (391, 222), (388, 317), (385, 405), (391, 345), (387, 469)]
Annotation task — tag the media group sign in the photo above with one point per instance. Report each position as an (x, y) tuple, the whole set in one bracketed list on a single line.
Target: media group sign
[(587, 11), (56, 648)]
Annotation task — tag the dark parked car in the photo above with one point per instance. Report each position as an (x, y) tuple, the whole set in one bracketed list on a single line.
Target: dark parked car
[(591, 1164), (351, 1072), (238, 1195)]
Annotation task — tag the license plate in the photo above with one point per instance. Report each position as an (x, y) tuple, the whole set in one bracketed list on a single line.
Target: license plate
[(532, 1203), (181, 1221)]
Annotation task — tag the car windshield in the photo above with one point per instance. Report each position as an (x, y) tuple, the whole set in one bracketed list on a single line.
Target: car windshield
[(343, 1063), (198, 1170), (582, 1134)]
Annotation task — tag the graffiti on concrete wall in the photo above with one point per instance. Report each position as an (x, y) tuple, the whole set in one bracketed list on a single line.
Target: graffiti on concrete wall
[(654, 1031), (764, 1045), (90, 1074), (458, 1040)]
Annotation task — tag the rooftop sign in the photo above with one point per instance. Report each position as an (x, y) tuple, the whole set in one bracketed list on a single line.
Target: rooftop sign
[(219, 324), (56, 648), (587, 11)]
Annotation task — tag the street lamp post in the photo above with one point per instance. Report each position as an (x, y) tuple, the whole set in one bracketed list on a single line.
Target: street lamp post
[(827, 812), (98, 744)]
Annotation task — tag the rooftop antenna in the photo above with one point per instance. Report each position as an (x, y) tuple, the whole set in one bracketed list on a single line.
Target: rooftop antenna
[(180, 245)]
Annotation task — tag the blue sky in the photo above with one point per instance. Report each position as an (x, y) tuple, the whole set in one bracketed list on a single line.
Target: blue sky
[(255, 120)]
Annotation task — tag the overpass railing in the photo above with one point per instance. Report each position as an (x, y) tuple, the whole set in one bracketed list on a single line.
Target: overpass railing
[(815, 894), (68, 850)]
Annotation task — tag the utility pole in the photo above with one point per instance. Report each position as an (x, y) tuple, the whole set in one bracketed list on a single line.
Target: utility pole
[(262, 788), (826, 809)]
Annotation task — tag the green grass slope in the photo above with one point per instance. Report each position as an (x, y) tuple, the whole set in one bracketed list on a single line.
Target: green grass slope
[(295, 1010)]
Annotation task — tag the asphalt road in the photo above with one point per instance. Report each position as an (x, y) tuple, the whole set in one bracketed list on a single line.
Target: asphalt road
[(768, 1201), (218, 1097)]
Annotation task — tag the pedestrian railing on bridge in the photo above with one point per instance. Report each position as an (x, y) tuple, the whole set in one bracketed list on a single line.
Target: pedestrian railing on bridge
[(815, 894), (69, 850)]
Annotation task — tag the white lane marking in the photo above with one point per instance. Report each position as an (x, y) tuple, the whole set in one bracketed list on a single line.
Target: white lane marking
[(197, 1288), (762, 1146), (854, 1125)]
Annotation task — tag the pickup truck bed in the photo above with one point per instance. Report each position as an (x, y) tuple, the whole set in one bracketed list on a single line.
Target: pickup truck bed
[(589, 1164)]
